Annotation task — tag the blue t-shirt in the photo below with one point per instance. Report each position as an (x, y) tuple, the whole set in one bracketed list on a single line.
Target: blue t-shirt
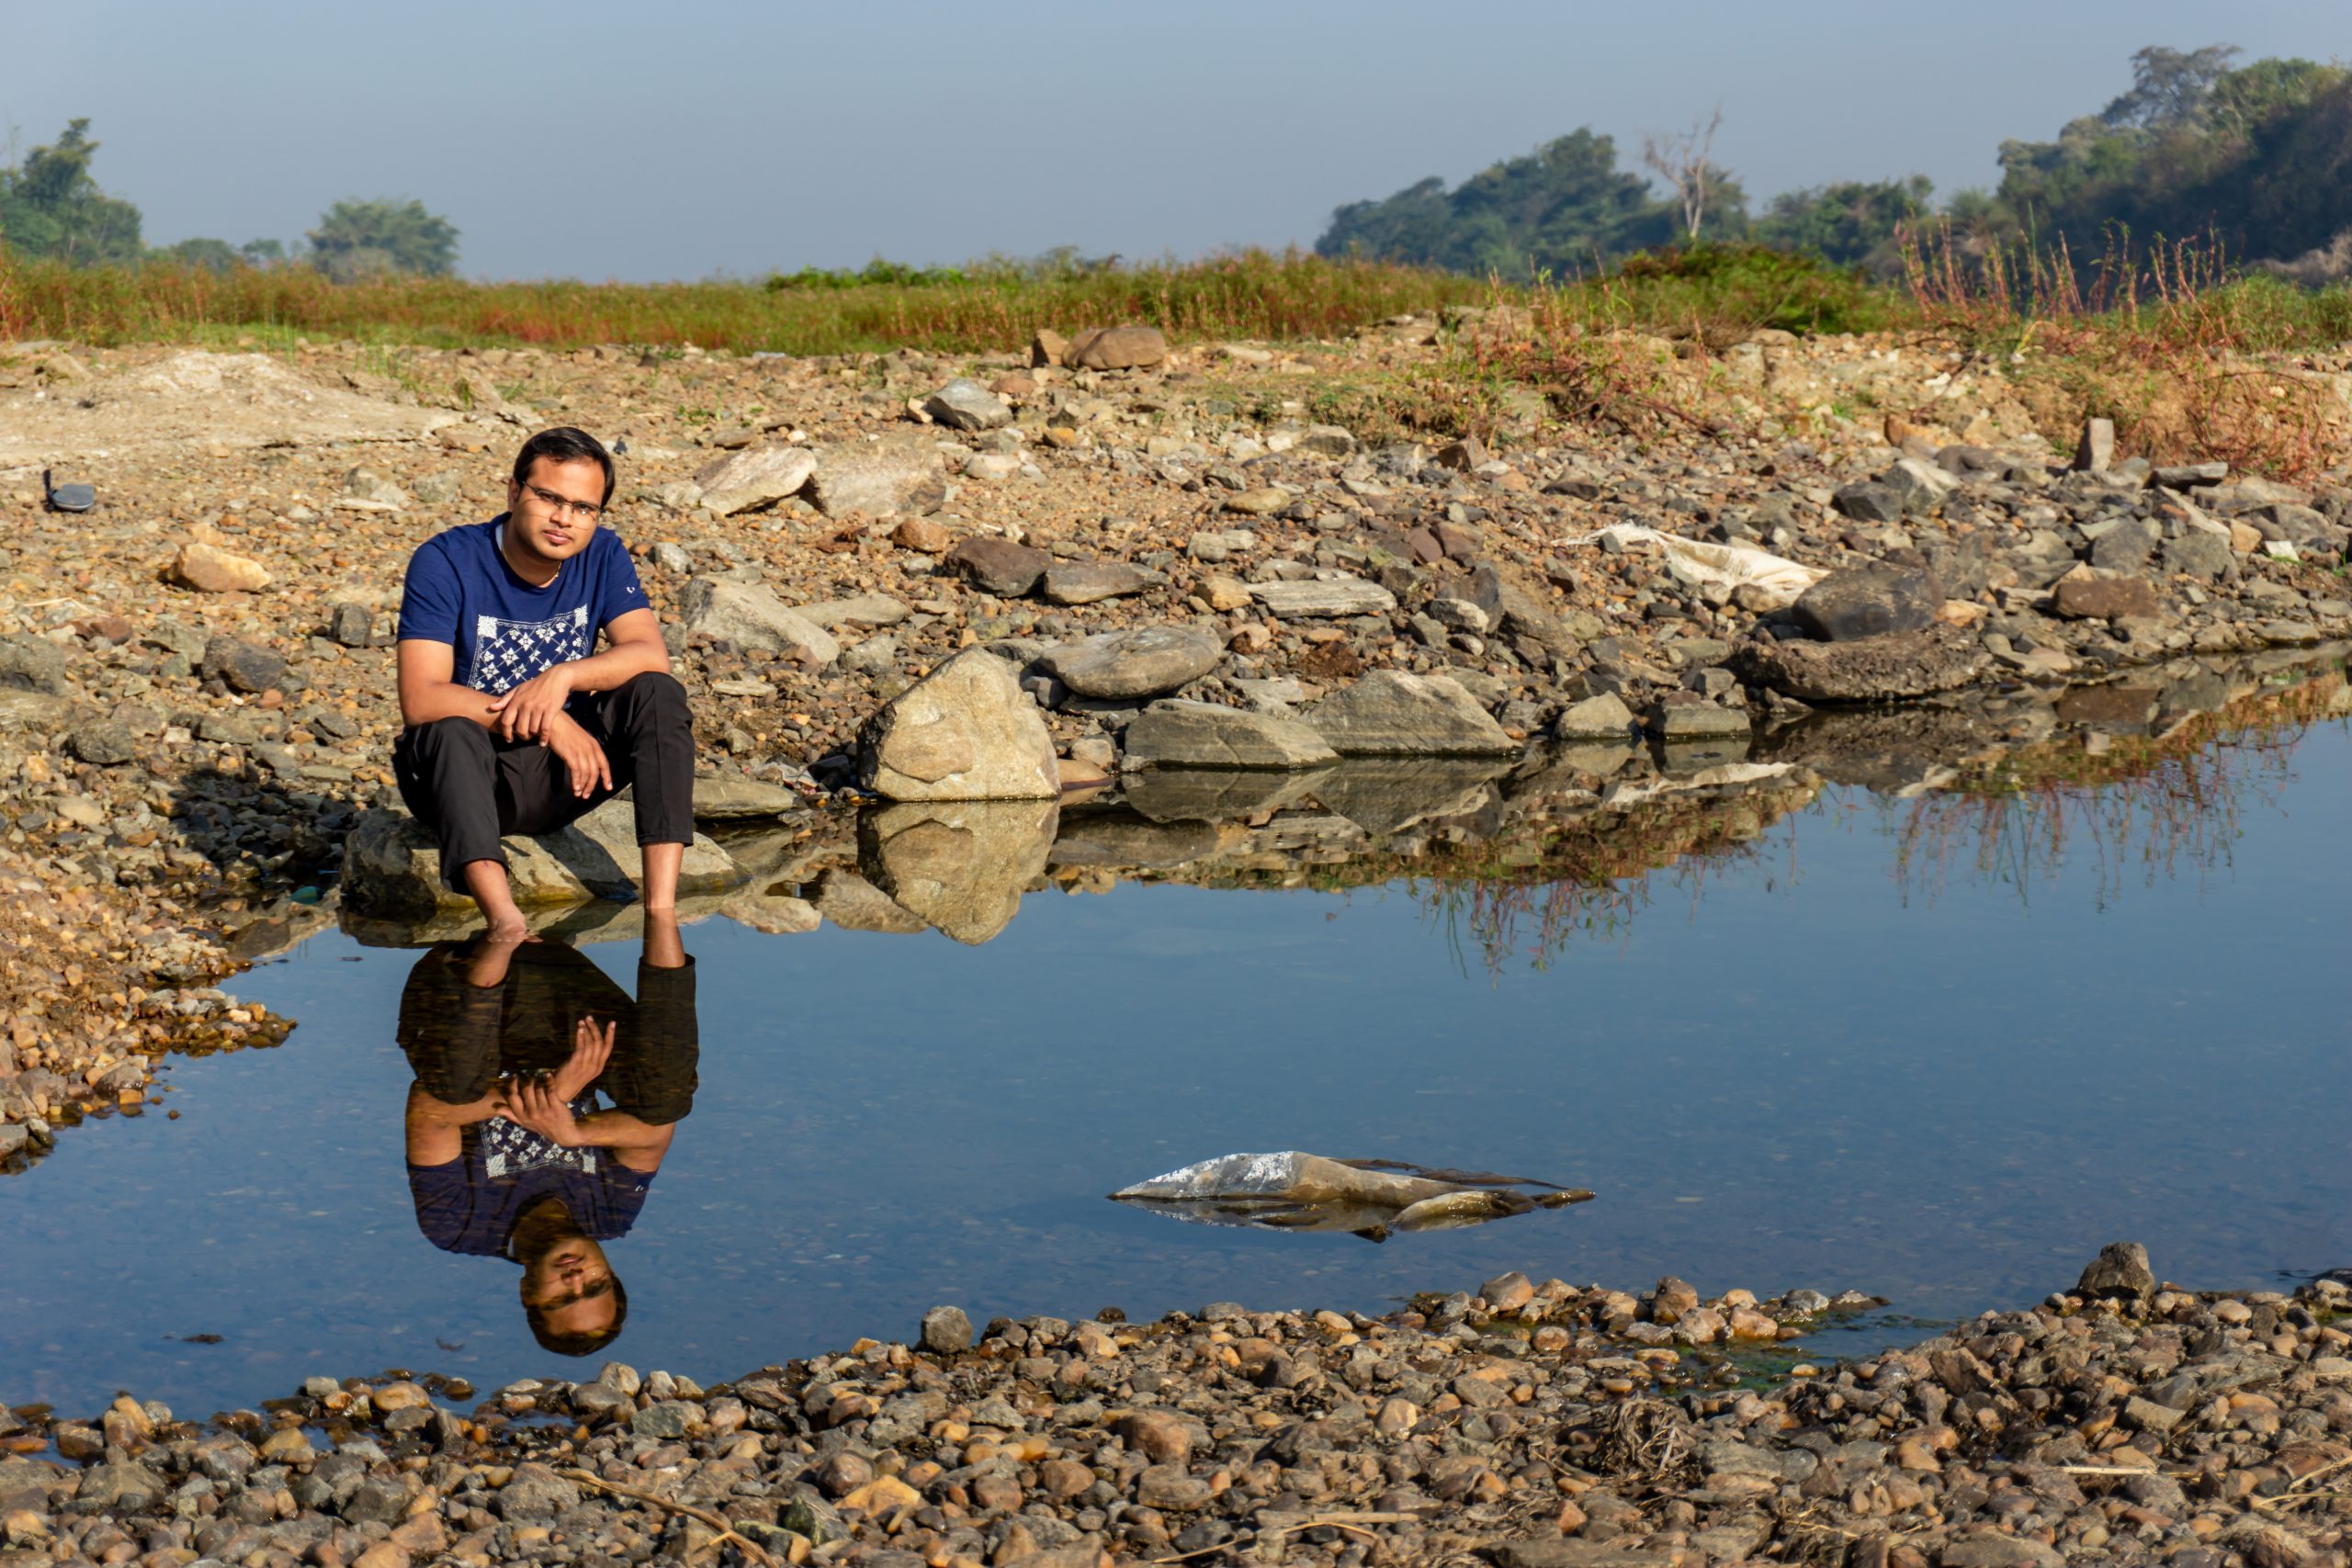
[(460, 590), (471, 1204)]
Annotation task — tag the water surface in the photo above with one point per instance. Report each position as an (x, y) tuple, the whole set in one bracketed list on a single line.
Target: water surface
[(1928, 1048)]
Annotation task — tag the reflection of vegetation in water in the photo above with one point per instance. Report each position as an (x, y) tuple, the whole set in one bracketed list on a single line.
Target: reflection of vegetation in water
[(2164, 803), (1587, 878)]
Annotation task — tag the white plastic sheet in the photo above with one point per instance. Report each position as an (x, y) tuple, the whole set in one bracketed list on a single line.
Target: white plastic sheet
[(1724, 565)]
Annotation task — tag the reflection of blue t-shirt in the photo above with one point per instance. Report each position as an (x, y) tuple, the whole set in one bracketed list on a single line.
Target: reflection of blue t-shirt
[(471, 1204), (462, 592)]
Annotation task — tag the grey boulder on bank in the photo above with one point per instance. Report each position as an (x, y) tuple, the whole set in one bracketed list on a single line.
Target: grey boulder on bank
[(966, 731), (1176, 734), (1390, 713)]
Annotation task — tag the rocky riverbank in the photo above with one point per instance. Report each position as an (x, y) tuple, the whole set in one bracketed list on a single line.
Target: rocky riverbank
[(1526, 1426), (1170, 552)]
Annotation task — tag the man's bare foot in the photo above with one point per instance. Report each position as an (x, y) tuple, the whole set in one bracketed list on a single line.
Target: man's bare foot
[(661, 864), (486, 880)]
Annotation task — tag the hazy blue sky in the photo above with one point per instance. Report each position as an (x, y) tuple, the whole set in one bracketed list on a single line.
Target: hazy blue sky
[(694, 137)]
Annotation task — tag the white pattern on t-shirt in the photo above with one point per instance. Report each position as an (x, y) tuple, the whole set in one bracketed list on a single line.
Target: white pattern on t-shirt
[(507, 653)]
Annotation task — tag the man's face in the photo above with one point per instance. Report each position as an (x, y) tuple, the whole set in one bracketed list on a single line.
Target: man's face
[(572, 1285), (546, 509)]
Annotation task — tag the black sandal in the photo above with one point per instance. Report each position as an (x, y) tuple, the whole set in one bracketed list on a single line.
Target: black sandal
[(69, 497)]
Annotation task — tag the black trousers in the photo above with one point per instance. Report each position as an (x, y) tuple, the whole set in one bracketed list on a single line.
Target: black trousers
[(470, 786)]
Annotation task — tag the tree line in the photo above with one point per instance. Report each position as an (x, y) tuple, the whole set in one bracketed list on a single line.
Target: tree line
[(52, 207), (2257, 158)]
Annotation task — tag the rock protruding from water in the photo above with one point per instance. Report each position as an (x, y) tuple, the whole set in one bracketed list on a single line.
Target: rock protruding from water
[(1391, 713), (2119, 1272), (1176, 734), (966, 731), (958, 866)]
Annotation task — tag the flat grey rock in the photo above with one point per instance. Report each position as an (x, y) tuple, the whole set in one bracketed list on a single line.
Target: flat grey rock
[(1175, 734), (755, 477), (1145, 662), (754, 620), (1390, 713), (1324, 600), (1088, 583), (965, 404)]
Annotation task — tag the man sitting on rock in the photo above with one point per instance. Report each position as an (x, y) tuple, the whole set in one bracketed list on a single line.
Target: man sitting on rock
[(514, 724)]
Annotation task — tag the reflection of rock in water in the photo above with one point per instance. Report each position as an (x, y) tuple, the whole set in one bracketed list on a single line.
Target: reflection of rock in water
[(1126, 839), (1881, 749), (1204, 795), (1385, 795), (961, 867)]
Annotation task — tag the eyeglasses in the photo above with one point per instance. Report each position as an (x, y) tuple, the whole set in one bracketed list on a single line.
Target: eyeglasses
[(563, 506)]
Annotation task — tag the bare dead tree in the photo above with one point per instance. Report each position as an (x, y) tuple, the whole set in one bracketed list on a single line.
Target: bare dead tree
[(1681, 161)]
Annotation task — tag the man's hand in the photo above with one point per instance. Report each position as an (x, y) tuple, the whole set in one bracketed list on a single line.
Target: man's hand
[(589, 767), (533, 1102), (526, 712), (591, 1048)]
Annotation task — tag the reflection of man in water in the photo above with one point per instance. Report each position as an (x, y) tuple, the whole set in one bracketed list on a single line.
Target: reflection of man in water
[(509, 1152)]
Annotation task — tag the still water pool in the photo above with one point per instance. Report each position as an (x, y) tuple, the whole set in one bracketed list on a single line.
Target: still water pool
[(1930, 1049)]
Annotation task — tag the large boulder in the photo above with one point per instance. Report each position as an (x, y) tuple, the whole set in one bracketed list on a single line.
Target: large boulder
[(1116, 349), (1086, 582), (959, 866), (1144, 662), (391, 864), (755, 476), (756, 621), (896, 474), (1894, 667), (1867, 601), (966, 732), (1172, 734), (1390, 713)]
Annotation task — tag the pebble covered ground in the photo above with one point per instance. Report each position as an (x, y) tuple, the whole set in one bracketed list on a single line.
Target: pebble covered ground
[(1527, 1425)]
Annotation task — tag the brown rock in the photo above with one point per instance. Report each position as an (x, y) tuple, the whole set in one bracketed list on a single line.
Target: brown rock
[(1157, 1435), (923, 537), (1049, 347), (1463, 454), (2105, 598), (998, 566), (211, 569), (1116, 349)]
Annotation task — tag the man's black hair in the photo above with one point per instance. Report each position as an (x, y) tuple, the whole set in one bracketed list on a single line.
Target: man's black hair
[(564, 445), (579, 1344)]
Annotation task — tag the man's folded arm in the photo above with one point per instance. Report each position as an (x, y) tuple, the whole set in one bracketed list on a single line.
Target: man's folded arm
[(428, 687)]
